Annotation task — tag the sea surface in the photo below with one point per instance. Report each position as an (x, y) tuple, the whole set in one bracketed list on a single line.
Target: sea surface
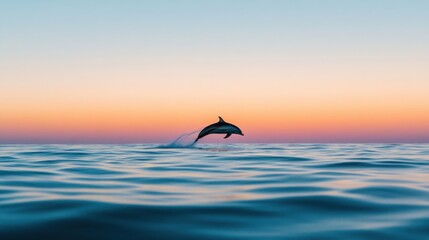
[(214, 191)]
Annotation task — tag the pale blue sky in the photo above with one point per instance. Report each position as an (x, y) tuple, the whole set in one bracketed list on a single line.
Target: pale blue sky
[(99, 28)]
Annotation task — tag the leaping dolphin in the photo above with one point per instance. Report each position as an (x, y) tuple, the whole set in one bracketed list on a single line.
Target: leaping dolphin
[(219, 128)]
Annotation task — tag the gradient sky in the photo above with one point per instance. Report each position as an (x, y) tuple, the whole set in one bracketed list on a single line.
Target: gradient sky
[(146, 71)]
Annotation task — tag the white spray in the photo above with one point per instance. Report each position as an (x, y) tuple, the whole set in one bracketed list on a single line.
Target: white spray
[(183, 141)]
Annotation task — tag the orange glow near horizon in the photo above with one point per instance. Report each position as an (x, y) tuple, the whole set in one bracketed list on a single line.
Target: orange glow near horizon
[(327, 124)]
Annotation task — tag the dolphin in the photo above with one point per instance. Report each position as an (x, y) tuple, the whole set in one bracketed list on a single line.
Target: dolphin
[(219, 128)]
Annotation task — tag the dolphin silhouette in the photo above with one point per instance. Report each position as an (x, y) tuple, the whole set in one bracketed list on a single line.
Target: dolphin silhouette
[(219, 128)]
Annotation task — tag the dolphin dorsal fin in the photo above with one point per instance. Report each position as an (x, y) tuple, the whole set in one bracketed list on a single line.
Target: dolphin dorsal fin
[(220, 119)]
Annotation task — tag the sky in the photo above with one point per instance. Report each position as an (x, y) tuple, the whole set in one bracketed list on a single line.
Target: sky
[(147, 71)]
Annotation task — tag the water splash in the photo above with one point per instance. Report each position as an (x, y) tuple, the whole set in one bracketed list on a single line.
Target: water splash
[(183, 141)]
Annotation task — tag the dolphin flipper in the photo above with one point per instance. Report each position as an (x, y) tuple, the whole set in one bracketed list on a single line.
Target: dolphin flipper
[(227, 135)]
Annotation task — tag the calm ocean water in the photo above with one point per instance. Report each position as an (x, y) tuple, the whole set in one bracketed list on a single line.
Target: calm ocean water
[(238, 191)]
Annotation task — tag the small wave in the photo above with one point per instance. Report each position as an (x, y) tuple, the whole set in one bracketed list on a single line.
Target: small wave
[(390, 192), (55, 153), (266, 158), (290, 189), (7, 158), (24, 173), (90, 171), (367, 165)]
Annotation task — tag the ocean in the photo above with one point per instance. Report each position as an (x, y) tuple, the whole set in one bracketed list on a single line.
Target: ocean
[(215, 191)]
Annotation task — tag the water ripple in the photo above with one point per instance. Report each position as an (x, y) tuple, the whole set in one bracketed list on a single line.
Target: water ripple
[(239, 191)]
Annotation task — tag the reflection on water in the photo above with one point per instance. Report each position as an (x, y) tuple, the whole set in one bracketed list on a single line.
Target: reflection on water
[(240, 191)]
